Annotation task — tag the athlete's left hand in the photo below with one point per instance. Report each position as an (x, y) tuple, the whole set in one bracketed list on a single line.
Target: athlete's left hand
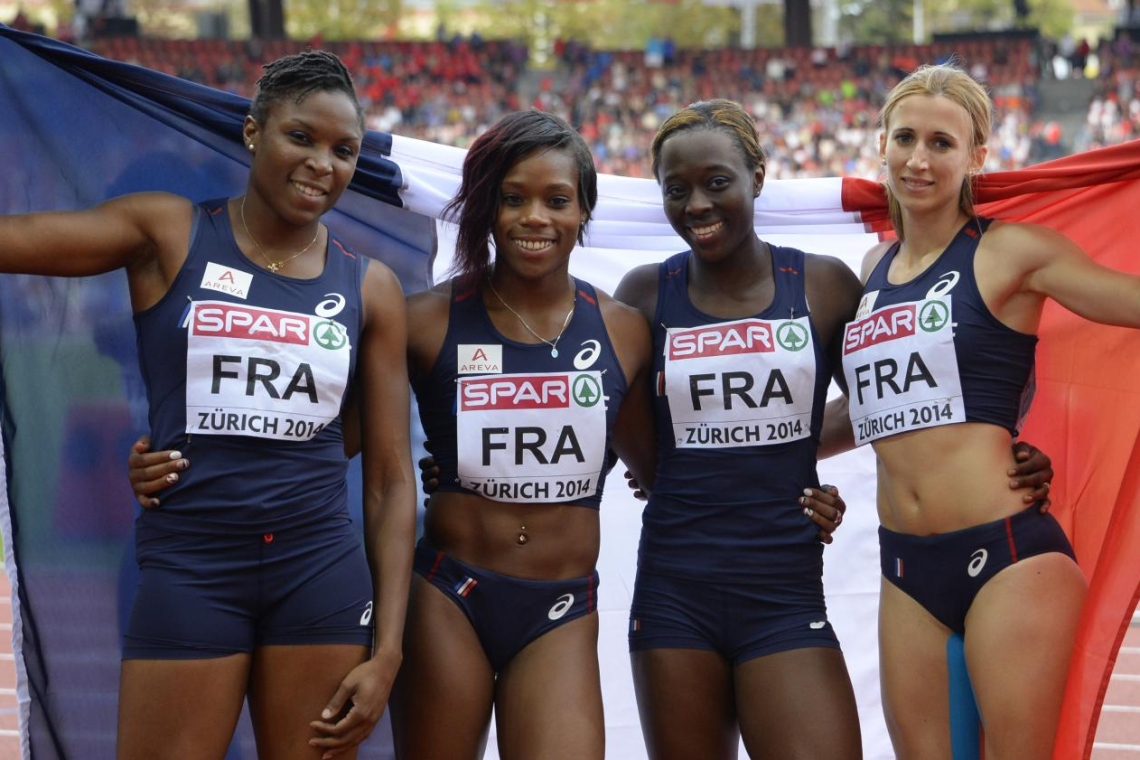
[(825, 507), (352, 713), (1032, 469)]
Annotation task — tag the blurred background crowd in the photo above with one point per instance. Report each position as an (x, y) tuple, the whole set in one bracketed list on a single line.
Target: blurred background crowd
[(816, 104)]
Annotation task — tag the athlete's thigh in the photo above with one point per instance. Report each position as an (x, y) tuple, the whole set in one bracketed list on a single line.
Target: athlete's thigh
[(180, 709), (798, 705), (913, 676), (549, 700), (1019, 635), (289, 686), (441, 703), (685, 700)]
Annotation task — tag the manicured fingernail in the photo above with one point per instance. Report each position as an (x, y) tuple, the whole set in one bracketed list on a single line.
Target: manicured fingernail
[(803, 500), (326, 713), (172, 477), (809, 511), (807, 492), (176, 455)]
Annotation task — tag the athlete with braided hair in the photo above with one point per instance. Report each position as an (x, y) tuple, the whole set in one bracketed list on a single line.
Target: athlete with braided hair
[(253, 322)]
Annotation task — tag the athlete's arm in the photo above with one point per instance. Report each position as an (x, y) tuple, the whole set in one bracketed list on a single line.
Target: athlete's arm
[(1051, 265), (836, 435), (634, 433), (350, 424), (389, 510), (146, 233)]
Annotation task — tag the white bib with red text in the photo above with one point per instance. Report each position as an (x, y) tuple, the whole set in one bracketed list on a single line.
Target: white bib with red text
[(750, 382), (902, 370), (531, 437), (262, 372)]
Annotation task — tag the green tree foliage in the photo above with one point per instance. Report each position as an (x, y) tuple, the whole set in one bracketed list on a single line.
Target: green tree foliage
[(611, 24), (876, 22), (892, 21), (341, 19)]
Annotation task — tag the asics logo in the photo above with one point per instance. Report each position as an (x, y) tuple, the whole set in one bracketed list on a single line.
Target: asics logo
[(977, 562), (561, 607), (366, 618), (585, 358), (944, 285)]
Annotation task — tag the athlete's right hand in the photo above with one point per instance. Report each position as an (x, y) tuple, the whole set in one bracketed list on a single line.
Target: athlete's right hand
[(638, 492), (825, 507), (429, 476), (151, 471)]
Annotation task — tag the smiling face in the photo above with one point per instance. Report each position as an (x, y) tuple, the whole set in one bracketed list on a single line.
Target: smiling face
[(305, 153), (929, 151), (708, 191), (539, 214)]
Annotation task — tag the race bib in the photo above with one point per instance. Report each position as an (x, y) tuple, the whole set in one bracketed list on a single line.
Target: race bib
[(902, 370), (531, 438), (262, 372), (749, 382)]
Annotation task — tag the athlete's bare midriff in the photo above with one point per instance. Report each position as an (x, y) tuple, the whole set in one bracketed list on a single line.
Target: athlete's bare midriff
[(945, 478), (534, 541)]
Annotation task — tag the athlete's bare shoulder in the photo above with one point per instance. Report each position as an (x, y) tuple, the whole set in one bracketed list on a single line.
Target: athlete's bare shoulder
[(427, 326), (639, 289), (872, 257)]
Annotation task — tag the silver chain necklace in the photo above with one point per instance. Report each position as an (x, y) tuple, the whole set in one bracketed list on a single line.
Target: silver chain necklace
[(274, 266), (552, 343)]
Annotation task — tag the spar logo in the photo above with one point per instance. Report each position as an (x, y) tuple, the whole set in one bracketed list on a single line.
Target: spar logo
[(792, 336), (884, 325), (520, 392), (586, 391), (330, 335), (747, 336), (224, 320), (933, 316)]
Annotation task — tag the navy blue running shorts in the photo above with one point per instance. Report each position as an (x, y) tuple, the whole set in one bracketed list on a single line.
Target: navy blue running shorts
[(944, 572), (507, 613), (741, 621), (202, 596)]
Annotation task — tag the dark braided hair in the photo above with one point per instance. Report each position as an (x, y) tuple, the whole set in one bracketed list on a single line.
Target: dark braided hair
[(475, 206), (296, 76)]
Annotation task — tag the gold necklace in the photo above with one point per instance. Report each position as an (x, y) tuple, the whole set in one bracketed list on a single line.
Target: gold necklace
[(552, 343), (274, 266)]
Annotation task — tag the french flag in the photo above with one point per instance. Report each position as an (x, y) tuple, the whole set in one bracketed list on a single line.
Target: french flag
[(463, 588)]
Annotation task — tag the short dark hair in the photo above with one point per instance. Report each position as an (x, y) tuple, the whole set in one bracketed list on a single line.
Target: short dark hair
[(296, 76)]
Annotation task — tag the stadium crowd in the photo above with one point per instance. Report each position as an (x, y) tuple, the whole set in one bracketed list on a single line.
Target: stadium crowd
[(817, 107)]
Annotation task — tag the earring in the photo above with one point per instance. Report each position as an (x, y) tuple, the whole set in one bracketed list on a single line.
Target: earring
[(250, 146), (883, 160)]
